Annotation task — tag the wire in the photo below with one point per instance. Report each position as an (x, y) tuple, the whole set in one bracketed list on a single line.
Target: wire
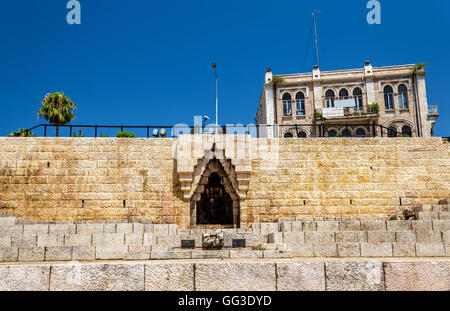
[(307, 46)]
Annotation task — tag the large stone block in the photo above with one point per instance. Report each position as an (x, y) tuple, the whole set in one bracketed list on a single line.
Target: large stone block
[(235, 276), (404, 249), (7, 221), (417, 275), (35, 229), (29, 254), (50, 240), (97, 277), (83, 253), (87, 229), (276, 237), (170, 276), (62, 229), (24, 241), (325, 249), (9, 254), (351, 236), (108, 239), (380, 236), (11, 230), (302, 250), (349, 249), (24, 277), (373, 224), (398, 225), (422, 225), (161, 229), (376, 249), (293, 237), (246, 254), (405, 236), (77, 240), (267, 228), (354, 276), (124, 228), (441, 225), (319, 237), (301, 276), (110, 252), (350, 225), (134, 239), (427, 236), (430, 250), (5, 241), (59, 253), (327, 226)]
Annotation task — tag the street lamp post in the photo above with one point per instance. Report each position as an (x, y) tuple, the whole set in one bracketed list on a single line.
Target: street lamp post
[(217, 95)]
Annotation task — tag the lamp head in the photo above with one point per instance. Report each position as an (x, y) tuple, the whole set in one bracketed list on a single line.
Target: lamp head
[(214, 65)]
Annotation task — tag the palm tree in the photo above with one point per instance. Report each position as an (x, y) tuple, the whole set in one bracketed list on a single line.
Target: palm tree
[(57, 108)]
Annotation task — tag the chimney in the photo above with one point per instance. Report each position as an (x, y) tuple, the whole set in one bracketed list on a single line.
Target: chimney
[(316, 72), (368, 70)]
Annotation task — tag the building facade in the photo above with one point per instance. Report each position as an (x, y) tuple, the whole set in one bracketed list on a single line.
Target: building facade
[(366, 102)]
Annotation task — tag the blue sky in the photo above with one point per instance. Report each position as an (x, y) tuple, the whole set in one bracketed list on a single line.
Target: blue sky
[(149, 62)]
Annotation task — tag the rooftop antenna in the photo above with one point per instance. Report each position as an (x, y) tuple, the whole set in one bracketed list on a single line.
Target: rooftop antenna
[(315, 32)]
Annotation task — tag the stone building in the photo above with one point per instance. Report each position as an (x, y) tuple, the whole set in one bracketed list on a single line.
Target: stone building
[(366, 102)]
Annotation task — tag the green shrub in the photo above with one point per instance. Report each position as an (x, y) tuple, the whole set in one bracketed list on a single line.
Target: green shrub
[(22, 133), (102, 135), (373, 108), (125, 134), (75, 135)]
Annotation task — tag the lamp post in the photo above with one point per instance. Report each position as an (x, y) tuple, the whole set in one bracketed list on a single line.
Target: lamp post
[(217, 95)]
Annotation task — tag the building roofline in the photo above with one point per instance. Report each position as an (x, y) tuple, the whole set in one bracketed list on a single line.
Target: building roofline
[(307, 74)]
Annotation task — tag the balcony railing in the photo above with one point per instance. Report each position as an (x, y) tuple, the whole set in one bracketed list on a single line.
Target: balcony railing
[(433, 109)]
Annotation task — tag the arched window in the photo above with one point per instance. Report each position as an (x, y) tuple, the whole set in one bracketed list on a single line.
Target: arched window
[(288, 135), (406, 131), (388, 98), (287, 104), (332, 133), (301, 135), (343, 94), (357, 94), (329, 98), (403, 96), (300, 103), (392, 132), (361, 133), (346, 133)]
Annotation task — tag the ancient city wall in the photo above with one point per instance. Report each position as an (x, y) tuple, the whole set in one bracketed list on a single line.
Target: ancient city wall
[(60, 179)]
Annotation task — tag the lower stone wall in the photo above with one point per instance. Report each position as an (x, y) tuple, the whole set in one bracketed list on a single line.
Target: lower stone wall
[(319, 275)]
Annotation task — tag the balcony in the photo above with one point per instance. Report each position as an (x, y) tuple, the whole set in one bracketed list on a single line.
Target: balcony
[(433, 110)]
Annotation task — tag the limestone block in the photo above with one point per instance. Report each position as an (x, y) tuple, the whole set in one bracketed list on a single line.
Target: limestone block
[(77, 240), (5, 241), (173, 228), (24, 241), (444, 215), (246, 254), (309, 226), (327, 226), (441, 225), (373, 224), (397, 225), (170, 240), (354, 276), (59, 253), (376, 249), (302, 250), (9, 254), (422, 225), (256, 228), (149, 239), (138, 228), (7, 221), (404, 249), (267, 228), (134, 239), (380, 236), (446, 236), (35, 229), (293, 237), (417, 275), (86, 229), (324, 249), (108, 239), (351, 236), (24, 278), (83, 253), (350, 225), (428, 236), (28, 254), (171, 276), (124, 228), (286, 226), (50, 240), (62, 229), (296, 226), (348, 249), (110, 252), (428, 215), (97, 277), (319, 237), (276, 237), (235, 276), (109, 228), (148, 228), (11, 230), (161, 229), (277, 254), (430, 250), (405, 236), (308, 276), (447, 249), (181, 254)]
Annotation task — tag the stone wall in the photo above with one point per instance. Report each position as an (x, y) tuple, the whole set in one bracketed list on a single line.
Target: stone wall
[(62, 179), (319, 275)]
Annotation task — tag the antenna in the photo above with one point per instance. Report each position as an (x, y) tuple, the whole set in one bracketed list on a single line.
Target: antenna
[(315, 32)]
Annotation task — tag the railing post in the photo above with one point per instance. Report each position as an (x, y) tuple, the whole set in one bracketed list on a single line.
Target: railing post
[(96, 131), (296, 130), (374, 129), (70, 131), (148, 131), (45, 130), (121, 128), (381, 130), (346, 130)]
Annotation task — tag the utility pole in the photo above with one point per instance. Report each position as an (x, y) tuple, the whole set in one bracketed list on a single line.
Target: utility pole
[(315, 32)]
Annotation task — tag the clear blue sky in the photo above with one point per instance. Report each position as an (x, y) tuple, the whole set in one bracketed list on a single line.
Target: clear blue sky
[(149, 62)]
